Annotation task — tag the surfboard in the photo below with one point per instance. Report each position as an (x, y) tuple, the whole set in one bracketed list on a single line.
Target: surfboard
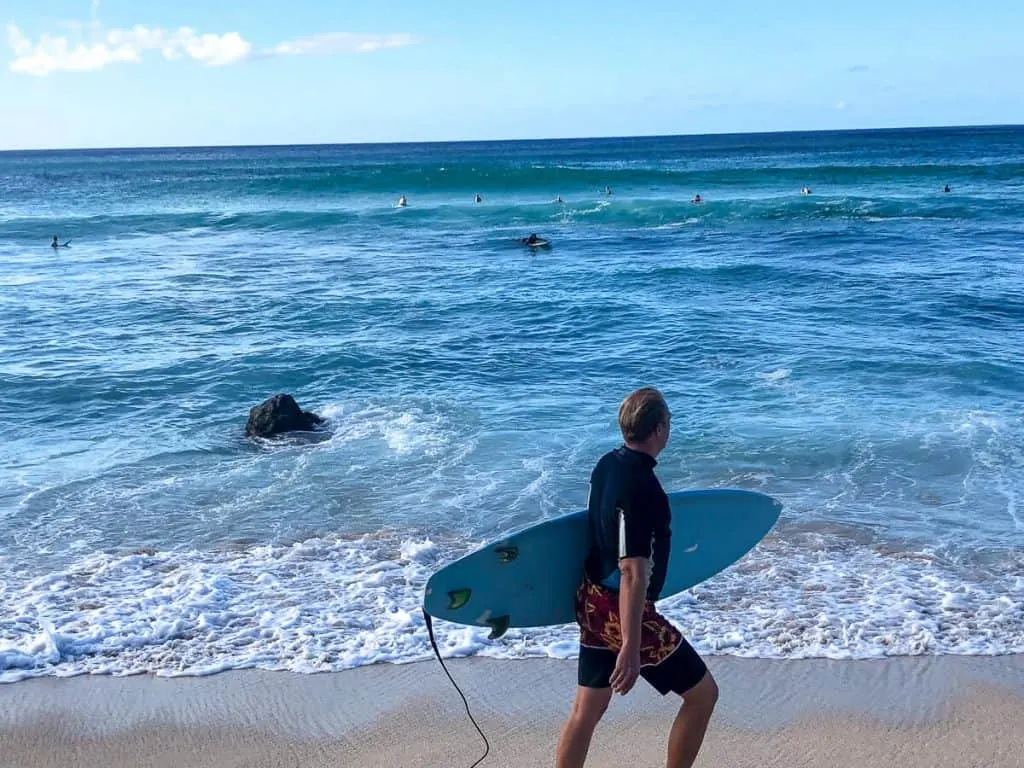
[(529, 579), (538, 244)]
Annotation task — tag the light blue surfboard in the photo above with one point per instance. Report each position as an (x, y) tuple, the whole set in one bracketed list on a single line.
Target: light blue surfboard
[(529, 579)]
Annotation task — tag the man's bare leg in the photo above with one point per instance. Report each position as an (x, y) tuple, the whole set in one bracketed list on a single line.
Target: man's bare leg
[(574, 742), (691, 723)]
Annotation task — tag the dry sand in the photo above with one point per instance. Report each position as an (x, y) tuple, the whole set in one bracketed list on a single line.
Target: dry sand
[(945, 711)]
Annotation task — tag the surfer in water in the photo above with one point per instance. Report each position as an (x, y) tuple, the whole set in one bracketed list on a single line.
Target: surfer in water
[(558, 199), (805, 191), (630, 519), (401, 202), (697, 199), (55, 243), (946, 189), (607, 190), (531, 240), (479, 199)]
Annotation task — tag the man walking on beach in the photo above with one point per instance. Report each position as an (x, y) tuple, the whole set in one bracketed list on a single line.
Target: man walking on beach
[(622, 636)]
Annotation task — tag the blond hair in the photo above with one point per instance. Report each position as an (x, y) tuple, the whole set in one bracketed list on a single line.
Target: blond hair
[(641, 413)]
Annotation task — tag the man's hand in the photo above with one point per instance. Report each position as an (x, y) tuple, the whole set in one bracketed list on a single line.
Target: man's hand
[(627, 670)]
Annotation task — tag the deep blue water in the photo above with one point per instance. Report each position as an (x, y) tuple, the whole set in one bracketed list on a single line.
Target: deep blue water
[(854, 352)]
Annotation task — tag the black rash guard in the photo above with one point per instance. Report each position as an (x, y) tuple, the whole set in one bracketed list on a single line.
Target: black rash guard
[(629, 517)]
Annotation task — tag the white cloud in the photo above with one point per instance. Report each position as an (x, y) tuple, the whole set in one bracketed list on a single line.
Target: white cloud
[(840, 105), (213, 50), (340, 42), (52, 53), (57, 54)]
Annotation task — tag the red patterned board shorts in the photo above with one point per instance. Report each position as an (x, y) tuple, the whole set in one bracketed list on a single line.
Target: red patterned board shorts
[(667, 661), (597, 613)]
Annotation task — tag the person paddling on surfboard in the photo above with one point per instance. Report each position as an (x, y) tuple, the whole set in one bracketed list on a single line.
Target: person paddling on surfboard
[(57, 244), (622, 636)]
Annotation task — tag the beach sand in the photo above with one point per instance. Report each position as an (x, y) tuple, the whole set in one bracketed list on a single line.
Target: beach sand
[(921, 711)]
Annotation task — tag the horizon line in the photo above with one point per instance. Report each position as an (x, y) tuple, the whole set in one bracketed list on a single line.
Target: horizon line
[(367, 143)]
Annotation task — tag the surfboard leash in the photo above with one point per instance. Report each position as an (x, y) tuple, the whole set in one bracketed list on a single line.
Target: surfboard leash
[(433, 644)]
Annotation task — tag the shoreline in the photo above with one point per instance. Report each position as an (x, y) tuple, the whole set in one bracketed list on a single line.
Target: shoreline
[(944, 710)]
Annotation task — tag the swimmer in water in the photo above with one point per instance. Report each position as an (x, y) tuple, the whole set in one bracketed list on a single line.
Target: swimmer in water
[(479, 199), (697, 199), (805, 191), (558, 199), (607, 190), (55, 244), (401, 202), (947, 189)]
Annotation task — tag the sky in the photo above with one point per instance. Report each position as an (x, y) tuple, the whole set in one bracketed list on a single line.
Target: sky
[(118, 73)]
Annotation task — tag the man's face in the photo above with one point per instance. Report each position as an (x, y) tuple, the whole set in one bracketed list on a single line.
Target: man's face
[(664, 429)]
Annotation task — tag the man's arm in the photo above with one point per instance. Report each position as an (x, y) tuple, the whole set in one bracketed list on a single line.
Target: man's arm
[(632, 589), (632, 594), (635, 533)]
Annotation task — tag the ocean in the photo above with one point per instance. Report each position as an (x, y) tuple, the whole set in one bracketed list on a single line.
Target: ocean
[(854, 352)]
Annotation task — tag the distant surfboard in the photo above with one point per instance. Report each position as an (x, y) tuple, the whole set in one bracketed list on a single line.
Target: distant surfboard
[(529, 579)]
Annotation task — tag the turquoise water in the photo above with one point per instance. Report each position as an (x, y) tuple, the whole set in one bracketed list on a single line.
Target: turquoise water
[(854, 352)]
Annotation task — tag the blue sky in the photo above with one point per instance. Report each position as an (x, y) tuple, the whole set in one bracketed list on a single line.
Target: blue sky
[(120, 73)]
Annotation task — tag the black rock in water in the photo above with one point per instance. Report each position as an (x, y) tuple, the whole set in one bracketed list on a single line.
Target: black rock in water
[(279, 414)]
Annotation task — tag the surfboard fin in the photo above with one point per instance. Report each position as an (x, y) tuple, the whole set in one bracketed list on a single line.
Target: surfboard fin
[(458, 598), (498, 625), (507, 554)]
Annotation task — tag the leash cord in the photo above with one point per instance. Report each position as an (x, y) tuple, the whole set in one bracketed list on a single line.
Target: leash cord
[(433, 644)]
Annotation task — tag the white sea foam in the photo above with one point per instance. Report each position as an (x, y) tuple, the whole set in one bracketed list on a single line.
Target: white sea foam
[(315, 605), (599, 206), (776, 376), (334, 603), (409, 429), (16, 280), (677, 224)]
